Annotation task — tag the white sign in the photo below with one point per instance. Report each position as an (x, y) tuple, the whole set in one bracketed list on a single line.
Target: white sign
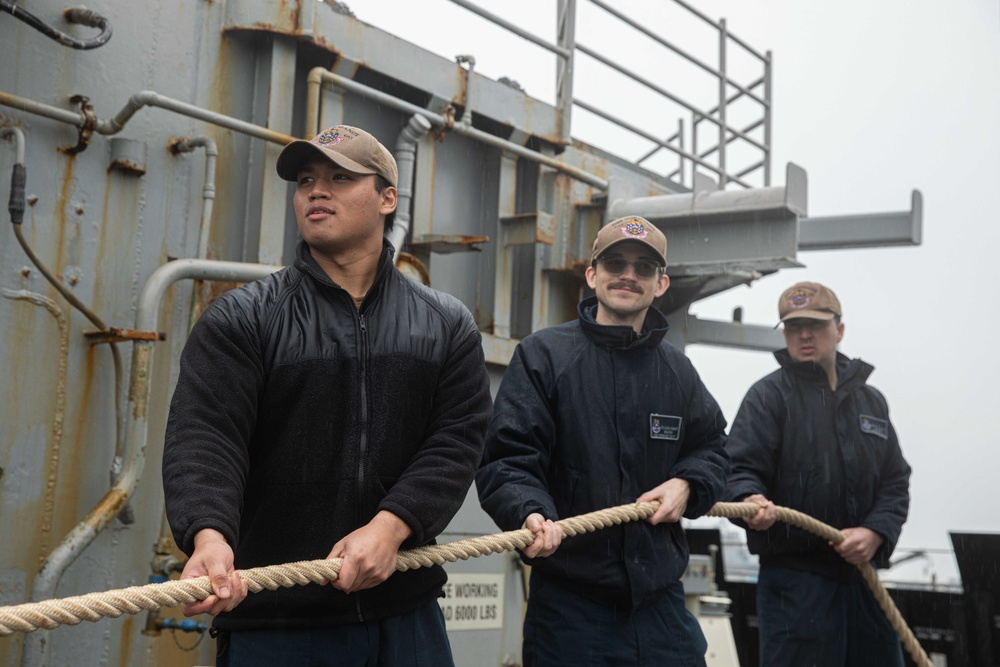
[(473, 601)]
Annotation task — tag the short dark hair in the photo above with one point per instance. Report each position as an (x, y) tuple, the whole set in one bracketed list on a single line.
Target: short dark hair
[(381, 183)]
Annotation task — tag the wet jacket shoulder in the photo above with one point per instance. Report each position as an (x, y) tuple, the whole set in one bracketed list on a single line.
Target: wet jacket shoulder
[(296, 418), (831, 454), (589, 417)]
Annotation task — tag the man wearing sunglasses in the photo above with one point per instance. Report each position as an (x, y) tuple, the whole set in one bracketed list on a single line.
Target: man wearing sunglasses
[(595, 413), (814, 436)]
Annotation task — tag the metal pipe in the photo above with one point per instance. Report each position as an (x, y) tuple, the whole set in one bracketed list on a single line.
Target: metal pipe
[(437, 120), (18, 135), (208, 188), (138, 101), (80, 15), (466, 118), (146, 319), (475, 9), (406, 150)]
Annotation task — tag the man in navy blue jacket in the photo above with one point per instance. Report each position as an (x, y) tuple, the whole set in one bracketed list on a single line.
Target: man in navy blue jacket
[(815, 437), (595, 413)]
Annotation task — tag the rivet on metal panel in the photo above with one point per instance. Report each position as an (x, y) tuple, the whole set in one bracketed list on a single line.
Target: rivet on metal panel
[(87, 129)]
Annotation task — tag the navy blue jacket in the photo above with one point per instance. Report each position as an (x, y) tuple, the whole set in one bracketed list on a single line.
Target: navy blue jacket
[(296, 418), (831, 454), (589, 417)]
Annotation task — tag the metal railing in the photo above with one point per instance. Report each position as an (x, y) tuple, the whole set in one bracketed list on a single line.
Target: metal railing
[(715, 157)]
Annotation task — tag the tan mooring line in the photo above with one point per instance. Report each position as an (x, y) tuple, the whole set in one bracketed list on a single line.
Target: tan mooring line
[(95, 606)]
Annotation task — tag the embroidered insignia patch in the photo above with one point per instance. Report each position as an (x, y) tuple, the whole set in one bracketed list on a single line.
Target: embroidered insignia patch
[(329, 137), (799, 298), (634, 229), (665, 427), (875, 426)]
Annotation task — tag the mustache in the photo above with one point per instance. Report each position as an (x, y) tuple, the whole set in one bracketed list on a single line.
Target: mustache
[(626, 284)]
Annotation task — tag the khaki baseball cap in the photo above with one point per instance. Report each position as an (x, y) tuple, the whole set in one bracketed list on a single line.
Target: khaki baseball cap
[(809, 300), (631, 228), (349, 147)]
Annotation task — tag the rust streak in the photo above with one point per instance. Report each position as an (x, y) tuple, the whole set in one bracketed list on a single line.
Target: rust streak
[(106, 509)]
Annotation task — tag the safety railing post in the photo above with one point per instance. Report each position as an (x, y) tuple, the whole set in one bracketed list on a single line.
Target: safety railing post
[(722, 104), (566, 20)]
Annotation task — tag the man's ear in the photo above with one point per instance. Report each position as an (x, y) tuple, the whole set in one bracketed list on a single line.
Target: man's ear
[(591, 275), (661, 285), (389, 197)]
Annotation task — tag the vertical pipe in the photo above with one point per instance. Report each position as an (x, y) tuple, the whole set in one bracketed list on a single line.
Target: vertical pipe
[(722, 103), (208, 186), (566, 21), (767, 119), (406, 150)]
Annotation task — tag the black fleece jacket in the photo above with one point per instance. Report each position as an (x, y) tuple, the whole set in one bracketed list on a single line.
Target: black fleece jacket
[(831, 454), (589, 417), (296, 418)]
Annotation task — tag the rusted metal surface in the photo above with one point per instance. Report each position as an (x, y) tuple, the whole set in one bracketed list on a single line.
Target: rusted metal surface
[(86, 129), (120, 334), (444, 244)]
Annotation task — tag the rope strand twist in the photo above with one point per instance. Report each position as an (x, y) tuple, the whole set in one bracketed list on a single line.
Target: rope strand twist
[(92, 607)]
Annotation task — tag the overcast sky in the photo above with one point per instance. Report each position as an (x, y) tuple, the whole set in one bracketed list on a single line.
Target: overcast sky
[(873, 100)]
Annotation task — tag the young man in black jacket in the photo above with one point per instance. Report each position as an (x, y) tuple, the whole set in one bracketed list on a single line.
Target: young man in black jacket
[(335, 409), (595, 413), (813, 436)]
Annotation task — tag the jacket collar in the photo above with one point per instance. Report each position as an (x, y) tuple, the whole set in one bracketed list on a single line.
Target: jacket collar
[(305, 262), (653, 328), (850, 372)]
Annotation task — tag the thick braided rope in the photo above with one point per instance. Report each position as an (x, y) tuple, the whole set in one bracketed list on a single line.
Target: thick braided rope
[(95, 606), (827, 532)]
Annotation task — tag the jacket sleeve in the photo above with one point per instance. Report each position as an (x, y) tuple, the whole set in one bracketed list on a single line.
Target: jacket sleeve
[(211, 419), (435, 483), (892, 501), (754, 443), (513, 480), (703, 460)]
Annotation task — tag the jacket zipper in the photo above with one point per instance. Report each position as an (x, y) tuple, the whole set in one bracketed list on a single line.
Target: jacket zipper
[(363, 351)]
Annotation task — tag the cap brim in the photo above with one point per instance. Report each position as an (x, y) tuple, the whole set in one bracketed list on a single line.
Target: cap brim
[(809, 315), (297, 153), (659, 256)]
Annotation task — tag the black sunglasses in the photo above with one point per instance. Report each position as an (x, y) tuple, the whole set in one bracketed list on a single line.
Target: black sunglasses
[(644, 268)]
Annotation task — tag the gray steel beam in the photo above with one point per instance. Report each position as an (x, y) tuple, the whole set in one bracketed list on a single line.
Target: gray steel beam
[(864, 230), (732, 334)]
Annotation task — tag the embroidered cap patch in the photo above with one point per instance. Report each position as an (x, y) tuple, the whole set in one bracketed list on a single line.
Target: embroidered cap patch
[(634, 229), (875, 426), (664, 427)]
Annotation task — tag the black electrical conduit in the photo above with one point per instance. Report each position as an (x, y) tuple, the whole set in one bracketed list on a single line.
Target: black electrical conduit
[(15, 206), (79, 15)]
